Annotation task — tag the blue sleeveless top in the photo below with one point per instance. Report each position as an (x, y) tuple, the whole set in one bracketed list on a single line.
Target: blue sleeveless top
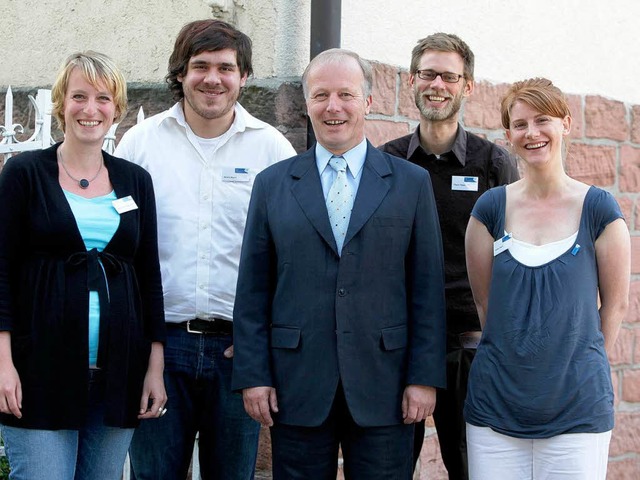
[(541, 368)]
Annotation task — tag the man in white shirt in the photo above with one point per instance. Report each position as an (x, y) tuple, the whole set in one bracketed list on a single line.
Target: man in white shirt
[(203, 155)]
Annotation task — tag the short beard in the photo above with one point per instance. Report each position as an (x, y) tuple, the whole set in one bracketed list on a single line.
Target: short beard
[(438, 115)]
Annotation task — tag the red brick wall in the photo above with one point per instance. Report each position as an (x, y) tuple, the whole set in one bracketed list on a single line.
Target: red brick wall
[(604, 150)]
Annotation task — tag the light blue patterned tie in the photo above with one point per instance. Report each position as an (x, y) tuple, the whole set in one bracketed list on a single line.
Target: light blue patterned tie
[(340, 201)]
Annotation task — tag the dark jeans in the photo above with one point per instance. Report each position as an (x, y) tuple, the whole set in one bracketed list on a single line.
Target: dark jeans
[(198, 382), (449, 418), (369, 453)]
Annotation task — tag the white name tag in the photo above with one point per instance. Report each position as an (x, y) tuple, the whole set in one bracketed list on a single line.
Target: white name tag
[(502, 244), (124, 204), (236, 174), (464, 184)]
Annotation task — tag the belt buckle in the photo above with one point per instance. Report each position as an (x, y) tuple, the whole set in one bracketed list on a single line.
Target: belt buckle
[(192, 331)]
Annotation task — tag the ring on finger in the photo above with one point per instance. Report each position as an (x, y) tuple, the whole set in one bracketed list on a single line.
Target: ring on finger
[(162, 411)]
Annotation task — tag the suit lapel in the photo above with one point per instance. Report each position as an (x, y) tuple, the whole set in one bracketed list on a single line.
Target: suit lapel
[(307, 190), (371, 191)]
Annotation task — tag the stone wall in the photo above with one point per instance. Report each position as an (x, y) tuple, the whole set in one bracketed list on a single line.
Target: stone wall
[(604, 150)]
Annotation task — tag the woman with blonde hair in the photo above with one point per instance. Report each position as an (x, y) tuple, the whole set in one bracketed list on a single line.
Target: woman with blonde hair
[(549, 264), (81, 311)]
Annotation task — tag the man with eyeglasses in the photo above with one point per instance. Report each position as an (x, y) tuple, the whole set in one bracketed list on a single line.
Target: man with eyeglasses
[(462, 166)]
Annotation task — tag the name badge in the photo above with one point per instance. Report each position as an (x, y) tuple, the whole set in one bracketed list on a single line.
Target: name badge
[(502, 244), (236, 174), (124, 204), (464, 184)]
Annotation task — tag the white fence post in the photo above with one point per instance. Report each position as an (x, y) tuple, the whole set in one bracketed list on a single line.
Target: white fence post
[(41, 137)]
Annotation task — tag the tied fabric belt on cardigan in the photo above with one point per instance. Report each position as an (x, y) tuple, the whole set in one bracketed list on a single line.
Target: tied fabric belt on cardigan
[(99, 265)]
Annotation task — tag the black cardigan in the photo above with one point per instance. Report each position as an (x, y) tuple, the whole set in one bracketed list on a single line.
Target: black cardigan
[(45, 272)]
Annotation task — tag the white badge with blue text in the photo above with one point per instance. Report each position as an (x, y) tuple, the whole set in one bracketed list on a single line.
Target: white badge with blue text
[(464, 184), (124, 204), (236, 174), (502, 244)]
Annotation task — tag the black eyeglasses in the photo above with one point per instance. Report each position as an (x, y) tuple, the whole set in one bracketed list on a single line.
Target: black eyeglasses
[(431, 75)]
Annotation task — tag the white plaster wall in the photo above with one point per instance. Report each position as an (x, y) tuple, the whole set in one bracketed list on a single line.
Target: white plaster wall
[(37, 35), (584, 46)]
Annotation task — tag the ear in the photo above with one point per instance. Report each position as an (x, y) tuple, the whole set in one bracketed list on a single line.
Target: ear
[(180, 78), (243, 80), (412, 80), (367, 104), (508, 134), (566, 124), (469, 86)]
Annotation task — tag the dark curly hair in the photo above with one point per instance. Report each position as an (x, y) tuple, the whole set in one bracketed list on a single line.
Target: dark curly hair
[(206, 36)]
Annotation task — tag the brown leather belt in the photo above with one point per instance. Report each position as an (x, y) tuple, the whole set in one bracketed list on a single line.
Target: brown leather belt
[(217, 326)]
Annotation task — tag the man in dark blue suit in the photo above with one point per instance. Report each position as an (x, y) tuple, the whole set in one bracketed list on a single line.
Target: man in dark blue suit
[(339, 323)]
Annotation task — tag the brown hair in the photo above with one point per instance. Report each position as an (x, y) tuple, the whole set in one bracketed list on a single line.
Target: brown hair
[(97, 68), (444, 42), (540, 94), (206, 36)]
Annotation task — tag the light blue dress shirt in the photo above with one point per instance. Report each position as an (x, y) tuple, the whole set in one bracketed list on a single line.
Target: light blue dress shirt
[(355, 161)]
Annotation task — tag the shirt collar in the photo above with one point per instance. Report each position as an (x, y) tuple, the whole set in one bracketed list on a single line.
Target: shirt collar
[(241, 120), (459, 148), (354, 157)]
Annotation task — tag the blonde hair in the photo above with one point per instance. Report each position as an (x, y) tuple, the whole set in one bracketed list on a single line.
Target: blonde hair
[(540, 94), (97, 68)]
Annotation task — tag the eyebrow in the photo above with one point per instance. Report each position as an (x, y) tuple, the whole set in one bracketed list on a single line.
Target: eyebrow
[(221, 64)]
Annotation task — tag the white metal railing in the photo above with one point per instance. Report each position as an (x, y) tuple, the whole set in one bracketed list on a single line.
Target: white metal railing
[(41, 138)]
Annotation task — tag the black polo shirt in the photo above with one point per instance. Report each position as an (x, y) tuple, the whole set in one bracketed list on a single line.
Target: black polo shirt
[(459, 177)]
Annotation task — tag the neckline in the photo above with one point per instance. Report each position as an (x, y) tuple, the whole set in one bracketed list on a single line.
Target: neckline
[(565, 253)]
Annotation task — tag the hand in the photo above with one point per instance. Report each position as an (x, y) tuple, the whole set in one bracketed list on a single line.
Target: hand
[(418, 402), (259, 402), (10, 391), (228, 353), (154, 395)]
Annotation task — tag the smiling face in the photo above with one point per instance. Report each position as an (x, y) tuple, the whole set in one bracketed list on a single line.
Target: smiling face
[(211, 87), (536, 137), (438, 100), (89, 110), (337, 105)]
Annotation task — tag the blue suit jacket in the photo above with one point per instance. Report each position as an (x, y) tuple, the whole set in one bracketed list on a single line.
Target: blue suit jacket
[(374, 318)]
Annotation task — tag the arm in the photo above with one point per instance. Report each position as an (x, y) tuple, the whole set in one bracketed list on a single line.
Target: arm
[(153, 387), (613, 257), (479, 255), (427, 314), (10, 387), (252, 312)]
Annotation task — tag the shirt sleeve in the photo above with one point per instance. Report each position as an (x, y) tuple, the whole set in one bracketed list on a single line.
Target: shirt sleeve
[(605, 211), (488, 211)]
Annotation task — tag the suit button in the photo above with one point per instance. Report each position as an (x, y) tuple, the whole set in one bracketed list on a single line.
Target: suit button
[(342, 292)]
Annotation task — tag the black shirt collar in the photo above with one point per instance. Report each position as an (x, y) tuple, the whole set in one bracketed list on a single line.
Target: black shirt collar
[(458, 151)]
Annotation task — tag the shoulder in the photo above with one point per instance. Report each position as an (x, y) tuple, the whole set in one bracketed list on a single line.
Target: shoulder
[(475, 143), (30, 162), (121, 167), (398, 147), (602, 207)]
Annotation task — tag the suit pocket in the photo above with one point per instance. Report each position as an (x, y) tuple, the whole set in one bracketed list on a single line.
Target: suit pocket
[(282, 337), (394, 338)]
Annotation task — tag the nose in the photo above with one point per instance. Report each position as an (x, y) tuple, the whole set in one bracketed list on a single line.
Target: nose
[(333, 103), (438, 83), (532, 131), (90, 106), (212, 76)]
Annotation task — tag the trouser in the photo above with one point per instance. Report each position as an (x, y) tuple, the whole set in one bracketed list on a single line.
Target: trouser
[(198, 382), (570, 456), (94, 452)]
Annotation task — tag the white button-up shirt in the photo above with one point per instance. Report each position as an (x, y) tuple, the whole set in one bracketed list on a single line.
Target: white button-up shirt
[(202, 199)]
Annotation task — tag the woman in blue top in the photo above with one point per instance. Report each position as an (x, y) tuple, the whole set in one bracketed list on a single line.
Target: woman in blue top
[(549, 263), (81, 311)]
